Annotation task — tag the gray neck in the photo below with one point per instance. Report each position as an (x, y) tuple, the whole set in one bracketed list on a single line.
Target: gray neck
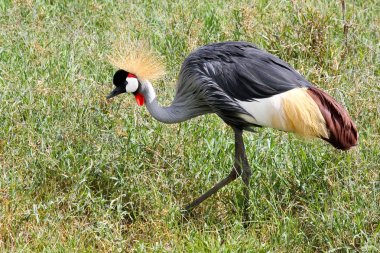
[(170, 114)]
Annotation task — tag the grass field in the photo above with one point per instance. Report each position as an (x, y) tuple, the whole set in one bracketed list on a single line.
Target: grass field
[(80, 175)]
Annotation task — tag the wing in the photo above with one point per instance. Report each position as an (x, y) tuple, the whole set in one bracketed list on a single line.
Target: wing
[(245, 72)]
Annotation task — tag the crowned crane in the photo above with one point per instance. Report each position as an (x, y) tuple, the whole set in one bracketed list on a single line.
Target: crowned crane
[(246, 87)]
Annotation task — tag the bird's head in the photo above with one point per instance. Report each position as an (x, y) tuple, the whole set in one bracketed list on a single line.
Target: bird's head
[(126, 83)]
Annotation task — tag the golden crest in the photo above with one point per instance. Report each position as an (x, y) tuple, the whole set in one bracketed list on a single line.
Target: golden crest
[(138, 58)]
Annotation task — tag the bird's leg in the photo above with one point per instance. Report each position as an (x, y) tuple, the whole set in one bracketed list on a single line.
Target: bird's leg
[(235, 172), (241, 159), (246, 173), (246, 178)]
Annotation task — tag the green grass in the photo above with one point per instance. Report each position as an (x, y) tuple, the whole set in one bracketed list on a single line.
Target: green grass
[(79, 174)]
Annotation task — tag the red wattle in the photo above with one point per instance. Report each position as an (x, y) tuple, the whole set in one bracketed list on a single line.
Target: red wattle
[(139, 99)]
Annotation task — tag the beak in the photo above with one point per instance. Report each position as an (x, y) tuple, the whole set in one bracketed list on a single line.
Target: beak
[(115, 92)]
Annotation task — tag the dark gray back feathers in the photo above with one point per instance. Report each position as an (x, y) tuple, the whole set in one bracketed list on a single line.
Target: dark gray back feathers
[(215, 75)]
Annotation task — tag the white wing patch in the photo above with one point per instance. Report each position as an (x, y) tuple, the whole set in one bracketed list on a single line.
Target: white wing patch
[(266, 111), (291, 111)]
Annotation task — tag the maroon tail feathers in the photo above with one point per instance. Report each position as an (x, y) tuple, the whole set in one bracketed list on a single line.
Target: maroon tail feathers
[(342, 130)]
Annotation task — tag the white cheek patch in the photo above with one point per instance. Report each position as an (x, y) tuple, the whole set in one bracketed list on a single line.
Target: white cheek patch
[(133, 84)]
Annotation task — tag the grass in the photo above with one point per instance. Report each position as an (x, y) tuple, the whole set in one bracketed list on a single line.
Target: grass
[(79, 174)]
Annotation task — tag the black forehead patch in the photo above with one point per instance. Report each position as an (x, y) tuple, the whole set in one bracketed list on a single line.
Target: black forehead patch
[(119, 77)]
